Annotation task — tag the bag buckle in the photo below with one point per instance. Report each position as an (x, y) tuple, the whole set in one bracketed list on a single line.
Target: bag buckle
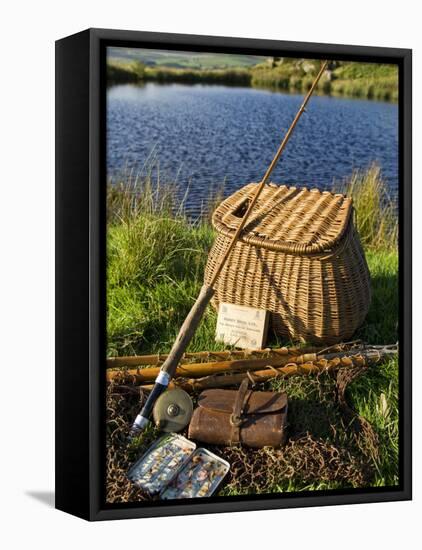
[(236, 420)]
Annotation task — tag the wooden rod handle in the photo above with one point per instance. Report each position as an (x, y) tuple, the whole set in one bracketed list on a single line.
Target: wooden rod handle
[(187, 330)]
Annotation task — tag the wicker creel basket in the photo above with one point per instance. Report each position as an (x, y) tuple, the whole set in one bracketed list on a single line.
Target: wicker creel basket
[(299, 257)]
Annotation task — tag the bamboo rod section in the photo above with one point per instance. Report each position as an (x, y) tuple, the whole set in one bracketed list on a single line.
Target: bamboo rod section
[(264, 180), (197, 370), (158, 359), (233, 371), (221, 380)]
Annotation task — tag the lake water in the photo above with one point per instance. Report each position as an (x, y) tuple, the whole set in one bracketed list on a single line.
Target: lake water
[(209, 135)]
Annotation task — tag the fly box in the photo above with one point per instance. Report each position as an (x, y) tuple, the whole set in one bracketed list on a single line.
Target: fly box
[(174, 468), (199, 477)]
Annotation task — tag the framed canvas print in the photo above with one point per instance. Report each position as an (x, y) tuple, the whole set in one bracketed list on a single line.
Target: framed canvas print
[(233, 274)]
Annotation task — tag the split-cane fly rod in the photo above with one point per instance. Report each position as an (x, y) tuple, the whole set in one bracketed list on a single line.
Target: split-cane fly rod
[(193, 318)]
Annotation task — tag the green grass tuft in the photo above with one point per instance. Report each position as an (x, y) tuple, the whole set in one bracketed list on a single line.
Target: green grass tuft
[(376, 216)]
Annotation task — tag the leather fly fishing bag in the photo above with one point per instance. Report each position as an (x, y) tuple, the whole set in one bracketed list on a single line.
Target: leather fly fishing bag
[(228, 417), (298, 256)]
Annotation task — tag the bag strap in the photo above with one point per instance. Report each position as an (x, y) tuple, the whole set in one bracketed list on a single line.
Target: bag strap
[(236, 419)]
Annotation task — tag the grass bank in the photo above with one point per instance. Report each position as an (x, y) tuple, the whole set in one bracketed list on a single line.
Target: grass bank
[(120, 72), (362, 80), (155, 264)]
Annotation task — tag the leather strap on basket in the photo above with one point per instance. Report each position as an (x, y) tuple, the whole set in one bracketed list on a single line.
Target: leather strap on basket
[(236, 419)]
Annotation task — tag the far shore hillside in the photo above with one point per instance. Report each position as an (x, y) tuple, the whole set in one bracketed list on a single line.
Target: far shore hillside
[(349, 79)]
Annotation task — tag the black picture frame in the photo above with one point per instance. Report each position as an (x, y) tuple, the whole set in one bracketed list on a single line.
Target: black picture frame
[(80, 271)]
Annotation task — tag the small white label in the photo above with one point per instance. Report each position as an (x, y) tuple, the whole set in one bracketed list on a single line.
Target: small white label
[(242, 326)]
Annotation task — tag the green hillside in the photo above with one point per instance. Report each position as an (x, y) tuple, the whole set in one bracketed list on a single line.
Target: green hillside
[(182, 60)]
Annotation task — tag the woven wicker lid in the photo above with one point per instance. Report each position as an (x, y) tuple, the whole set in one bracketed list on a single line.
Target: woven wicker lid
[(287, 219)]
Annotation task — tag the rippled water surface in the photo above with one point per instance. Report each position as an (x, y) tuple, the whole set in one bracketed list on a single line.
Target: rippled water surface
[(207, 135)]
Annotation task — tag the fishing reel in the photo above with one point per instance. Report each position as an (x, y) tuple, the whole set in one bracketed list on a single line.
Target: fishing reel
[(173, 410)]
